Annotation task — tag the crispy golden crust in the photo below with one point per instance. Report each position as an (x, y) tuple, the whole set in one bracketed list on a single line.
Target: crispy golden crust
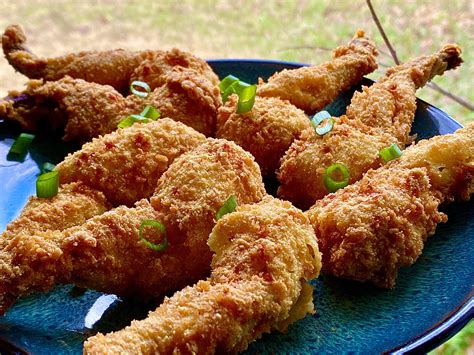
[(86, 110), (73, 205), (117, 68), (449, 160), (154, 69), (263, 254), (368, 230), (190, 98), (105, 253), (389, 105), (303, 166), (126, 164), (266, 131), (189, 200), (377, 117), (312, 88)]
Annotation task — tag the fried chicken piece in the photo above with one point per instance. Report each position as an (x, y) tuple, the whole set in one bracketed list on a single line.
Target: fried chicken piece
[(126, 164), (105, 253), (311, 88), (117, 68), (368, 230), (266, 131), (263, 255), (86, 110), (377, 117)]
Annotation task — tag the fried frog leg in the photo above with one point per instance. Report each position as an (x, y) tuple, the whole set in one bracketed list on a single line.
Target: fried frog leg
[(368, 230), (126, 164), (107, 253), (86, 110), (268, 130), (263, 255), (117, 68), (311, 88), (377, 117)]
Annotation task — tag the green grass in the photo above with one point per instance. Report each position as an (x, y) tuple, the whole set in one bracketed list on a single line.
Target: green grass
[(252, 29), (458, 344)]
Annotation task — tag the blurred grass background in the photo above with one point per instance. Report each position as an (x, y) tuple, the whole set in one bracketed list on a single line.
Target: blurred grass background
[(303, 31)]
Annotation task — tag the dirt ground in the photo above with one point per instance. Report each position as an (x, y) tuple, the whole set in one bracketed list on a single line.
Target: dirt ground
[(303, 31)]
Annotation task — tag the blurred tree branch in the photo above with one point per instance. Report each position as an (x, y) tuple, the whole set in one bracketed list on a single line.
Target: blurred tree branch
[(460, 100)]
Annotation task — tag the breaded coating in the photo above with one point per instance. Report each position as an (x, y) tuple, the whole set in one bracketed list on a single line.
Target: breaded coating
[(105, 253), (263, 255), (73, 205), (86, 110), (449, 161), (126, 164), (190, 98), (311, 88), (377, 117), (266, 131), (368, 230), (117, 68)]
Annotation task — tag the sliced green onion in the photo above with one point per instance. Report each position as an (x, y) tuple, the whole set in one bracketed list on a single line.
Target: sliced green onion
[(47, 184), (246, 99), (161, 228), (150, 112), (334, 185), (142, 85), (390, 153), (130, 120), (229, 206), (322, 117), (20, 147), (47, 167), (246, 93), (227, 81), (231, 89)]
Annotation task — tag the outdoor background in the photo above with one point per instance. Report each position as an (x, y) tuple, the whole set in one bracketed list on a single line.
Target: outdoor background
[(303, 31)]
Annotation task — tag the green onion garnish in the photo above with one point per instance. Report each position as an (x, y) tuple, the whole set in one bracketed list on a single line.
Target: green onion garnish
[(231, 89), (161, 228), (322, 117), (47, 184), (150, 112), (246, 92), (20, 147), (390, 153), (142, 85), (47, 167), (229, 206), (130, 120), (246, 98), (227, 81), (334, 185)]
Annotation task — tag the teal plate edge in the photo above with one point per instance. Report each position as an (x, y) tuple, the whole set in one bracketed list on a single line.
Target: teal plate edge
[(432, 300)]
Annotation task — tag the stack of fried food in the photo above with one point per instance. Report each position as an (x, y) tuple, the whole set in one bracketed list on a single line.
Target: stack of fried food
[(243, 274)]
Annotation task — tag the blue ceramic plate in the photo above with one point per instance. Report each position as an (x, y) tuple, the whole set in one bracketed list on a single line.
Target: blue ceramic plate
[(432, 300)]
